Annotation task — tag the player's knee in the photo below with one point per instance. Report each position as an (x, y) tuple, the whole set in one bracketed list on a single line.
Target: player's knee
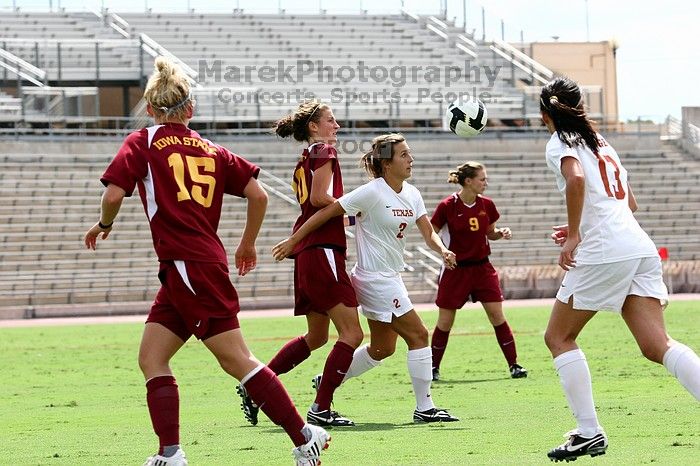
[(150, 365), (381, 353), (553, 340), (352, 337), (316, 340), (420, 337), (653, 352)]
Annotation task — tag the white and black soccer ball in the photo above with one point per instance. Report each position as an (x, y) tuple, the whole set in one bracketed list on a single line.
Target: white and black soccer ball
[(466, 117)]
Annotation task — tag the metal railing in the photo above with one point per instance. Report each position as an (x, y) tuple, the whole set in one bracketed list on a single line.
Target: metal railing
[(534, 69)]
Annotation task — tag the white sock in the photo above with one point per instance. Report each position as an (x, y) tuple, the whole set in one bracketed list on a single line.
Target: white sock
[(575, 379), (420, 368), (361, 363), (684, 365)]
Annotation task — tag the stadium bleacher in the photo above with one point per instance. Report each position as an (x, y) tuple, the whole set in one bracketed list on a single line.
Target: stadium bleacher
[(51, 195)]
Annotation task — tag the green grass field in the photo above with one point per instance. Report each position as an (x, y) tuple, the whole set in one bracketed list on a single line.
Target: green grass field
[(74, 395)]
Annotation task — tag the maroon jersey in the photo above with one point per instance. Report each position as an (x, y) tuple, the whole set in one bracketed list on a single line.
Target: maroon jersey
[(466, 230), (182, 179), (332, 233)]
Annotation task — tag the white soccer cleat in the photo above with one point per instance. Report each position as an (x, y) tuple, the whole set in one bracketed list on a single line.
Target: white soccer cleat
[(309, 454), (178, 459)]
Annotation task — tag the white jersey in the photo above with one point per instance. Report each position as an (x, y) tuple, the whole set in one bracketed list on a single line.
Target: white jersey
[(609, 231), (386, 216)]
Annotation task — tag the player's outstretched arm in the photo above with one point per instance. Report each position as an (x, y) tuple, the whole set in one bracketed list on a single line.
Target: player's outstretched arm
[(433, 241), (285, 248), (111, 203)]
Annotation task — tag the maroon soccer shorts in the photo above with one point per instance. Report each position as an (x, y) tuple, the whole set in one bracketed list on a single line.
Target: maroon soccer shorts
[(321, 282), (478, 282), (196, 298)]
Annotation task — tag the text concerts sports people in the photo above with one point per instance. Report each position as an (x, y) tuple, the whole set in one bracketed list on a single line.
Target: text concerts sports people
[(322, 288), (611, 265), (466, 221), (182, 179), (387, 207)]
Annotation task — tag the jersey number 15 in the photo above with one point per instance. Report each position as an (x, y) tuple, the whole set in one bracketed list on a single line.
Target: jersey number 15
[(207, 164)]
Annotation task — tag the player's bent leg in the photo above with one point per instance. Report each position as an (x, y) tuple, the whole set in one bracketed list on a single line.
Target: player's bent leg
[(382, 340), (317, 334), (644, 317), (347, 322), (412, 329), (570, 363), (339, 359), (158, 346), (564, 326), (235, 358)]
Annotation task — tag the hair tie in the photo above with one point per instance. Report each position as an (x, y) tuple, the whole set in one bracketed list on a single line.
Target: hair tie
[(554, 100)]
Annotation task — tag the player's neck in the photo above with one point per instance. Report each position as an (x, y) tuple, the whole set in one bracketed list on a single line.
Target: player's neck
[(394, 183), (467, 197)]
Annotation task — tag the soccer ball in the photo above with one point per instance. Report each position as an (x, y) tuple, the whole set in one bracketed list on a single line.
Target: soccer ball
[(466, 117)]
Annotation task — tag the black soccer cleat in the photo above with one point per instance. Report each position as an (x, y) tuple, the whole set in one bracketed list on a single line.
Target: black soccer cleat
[(436, 374), (316, 382), (517, 372), (433, 415), (250, 409), (579, 446), (328, 418)]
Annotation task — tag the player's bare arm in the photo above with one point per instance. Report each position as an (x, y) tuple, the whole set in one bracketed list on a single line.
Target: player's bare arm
[(111, 203), (433, 241), (575, 190), (495, 234), (246, 255), (284, 248), (319, 196)]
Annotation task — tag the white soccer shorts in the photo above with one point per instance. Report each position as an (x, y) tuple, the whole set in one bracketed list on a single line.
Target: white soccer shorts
[(604, 287), (381, 295)]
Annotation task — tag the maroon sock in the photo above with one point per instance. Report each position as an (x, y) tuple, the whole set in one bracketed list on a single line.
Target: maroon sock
[(438, 345), (164, 407), (291, 355), (337, 364), (266, 390), (507, 343)]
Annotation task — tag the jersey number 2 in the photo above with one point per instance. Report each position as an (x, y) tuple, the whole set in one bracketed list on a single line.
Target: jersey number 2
[(193, 164), (402, 227)]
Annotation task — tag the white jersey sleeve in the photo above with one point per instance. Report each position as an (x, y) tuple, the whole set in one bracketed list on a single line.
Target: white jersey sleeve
[(609, 231), (361, 199)]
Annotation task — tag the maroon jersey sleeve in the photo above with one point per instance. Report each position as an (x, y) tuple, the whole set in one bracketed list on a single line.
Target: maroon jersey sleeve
[(491, 210), (239, 171), (128, 166), (439, 217)]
